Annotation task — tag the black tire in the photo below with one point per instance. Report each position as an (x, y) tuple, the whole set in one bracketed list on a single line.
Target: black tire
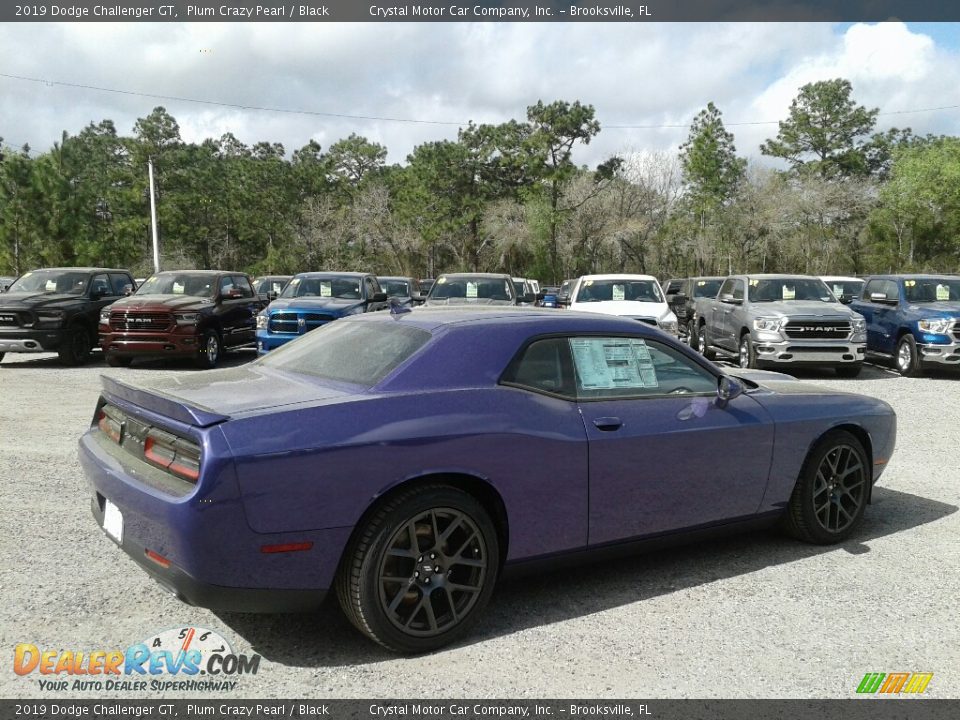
[(1, 356), (692, 335), (831, 493), (75, 347), (703, 341), (907, 358), (746, 355), (379, 584), (210, 350), (849, 371), (118, 360)]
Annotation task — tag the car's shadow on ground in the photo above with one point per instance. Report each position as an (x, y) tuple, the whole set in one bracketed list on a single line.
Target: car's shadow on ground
[(326, 639)]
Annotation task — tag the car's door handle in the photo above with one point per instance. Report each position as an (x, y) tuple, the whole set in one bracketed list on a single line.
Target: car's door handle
[(608, 423)]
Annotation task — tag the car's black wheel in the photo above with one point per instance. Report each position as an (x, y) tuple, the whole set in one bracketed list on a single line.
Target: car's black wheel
[(210, 350), (907, 358), (419, 573), (692, 336), (118, 360), (1, 356), (747, 356), (75, 348), (828, 501), (849, 371), (703, 343)]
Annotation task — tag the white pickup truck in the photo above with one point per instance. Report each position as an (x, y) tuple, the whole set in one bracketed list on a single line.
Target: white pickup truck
[(635, 296)]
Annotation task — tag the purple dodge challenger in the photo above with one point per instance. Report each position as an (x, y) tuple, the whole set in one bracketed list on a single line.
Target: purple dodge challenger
[(406, 461)]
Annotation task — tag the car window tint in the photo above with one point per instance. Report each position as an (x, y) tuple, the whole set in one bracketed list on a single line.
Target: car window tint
[(100, 285), (544, 366), (243, 284), (738, 290), (628, 367), (727, 288), (120, 283), (353, 352)]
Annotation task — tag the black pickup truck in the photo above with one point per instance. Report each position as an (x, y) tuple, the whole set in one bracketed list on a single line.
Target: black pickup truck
[(682, 295), (57, 309)]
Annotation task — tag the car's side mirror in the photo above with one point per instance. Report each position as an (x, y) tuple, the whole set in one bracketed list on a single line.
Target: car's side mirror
[(882, 298), (233, 294), (97, 294), (729, 299), (846, 299), (541, 296), (128, 289), (680, 297), (272, 295), (528, 298), (378, 297), (728, 388), (418, 297)]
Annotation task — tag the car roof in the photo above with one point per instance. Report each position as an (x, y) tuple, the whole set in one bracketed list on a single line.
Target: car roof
[(394, 277), (776, 276), (198, 272), (840, 278), (498, 276), (82, 269), (333, 274), (914, 276)]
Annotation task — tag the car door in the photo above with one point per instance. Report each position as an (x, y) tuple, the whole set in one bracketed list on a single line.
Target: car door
[(663, 453), (881, 318)]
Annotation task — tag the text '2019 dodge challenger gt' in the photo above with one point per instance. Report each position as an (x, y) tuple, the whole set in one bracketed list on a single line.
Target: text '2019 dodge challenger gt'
[(377, 458)]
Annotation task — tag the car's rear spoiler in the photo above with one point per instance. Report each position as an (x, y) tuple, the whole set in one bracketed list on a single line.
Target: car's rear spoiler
[(167, 406)]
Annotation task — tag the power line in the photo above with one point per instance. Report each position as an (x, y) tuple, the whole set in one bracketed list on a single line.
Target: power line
[(318, 113)]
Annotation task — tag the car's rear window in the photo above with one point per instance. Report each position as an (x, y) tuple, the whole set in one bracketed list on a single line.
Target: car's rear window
[(362, 353)]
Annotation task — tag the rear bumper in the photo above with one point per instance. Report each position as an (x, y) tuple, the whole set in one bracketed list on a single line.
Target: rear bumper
[(209, 555), (29, 341)]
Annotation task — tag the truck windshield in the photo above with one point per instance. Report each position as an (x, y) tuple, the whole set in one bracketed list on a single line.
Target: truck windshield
[(606, 290), (344, 288), (467, 289), (395, 288), (928, 290), (51, 281), (195, 285), (787, 289)]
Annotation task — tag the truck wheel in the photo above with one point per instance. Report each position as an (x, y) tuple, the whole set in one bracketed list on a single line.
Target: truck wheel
[(692, 335), (1, 356), (828, 501), (75, 346), (703, 343), (907, 358), (747, 355), (118, 360), (849, 371), (209, 350)]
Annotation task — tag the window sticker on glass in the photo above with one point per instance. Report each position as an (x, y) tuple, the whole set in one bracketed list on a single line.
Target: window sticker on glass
[(701, 283), (943, 292), (50, 286), (789, 292), (754, 283), (178, 288), (325, 289), (441, 281), (605, 363), (837, 290), (909, 283), (471, 289), (619, 292)]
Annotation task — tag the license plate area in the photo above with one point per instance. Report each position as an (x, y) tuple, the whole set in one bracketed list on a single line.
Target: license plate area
[(113, 521)]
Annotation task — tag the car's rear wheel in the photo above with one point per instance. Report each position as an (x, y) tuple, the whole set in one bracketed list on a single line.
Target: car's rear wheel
[(907, 357), (114, 360), (830, 496), (1, 356), (419, 573), (210, 350), (75, 348)]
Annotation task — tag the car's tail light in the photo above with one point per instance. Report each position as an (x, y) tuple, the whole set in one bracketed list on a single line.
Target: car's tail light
[(174, 454), (109, 424)]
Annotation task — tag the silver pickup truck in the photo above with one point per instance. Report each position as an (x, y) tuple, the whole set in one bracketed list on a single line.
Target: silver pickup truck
[(780, 320)]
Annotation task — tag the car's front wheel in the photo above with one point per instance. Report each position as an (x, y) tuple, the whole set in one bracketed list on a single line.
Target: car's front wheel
[(75, 348), (419, 573), (210, 350), (703, 343), (828, 501), (747, 355), (114, 360), (908, 359)]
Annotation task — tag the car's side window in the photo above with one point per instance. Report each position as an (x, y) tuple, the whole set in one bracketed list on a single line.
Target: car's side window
[(892, 289), (120, 283), (243, 284), (874, 286), (738, 289), (631, 367), (226, 285), (100, 286), (372, 287), (544, 366), (727, 287)]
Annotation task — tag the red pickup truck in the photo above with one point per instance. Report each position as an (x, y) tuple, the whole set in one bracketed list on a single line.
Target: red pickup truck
[(197, 314)]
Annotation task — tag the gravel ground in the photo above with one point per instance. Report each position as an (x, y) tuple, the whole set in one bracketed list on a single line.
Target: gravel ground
[(753, 616)]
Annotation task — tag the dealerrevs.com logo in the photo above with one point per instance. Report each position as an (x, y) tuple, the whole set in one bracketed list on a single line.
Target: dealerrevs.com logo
[(894, 683), (190, 659)]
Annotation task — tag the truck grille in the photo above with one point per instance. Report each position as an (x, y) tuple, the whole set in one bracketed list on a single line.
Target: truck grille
[(817, 329), (956, 331), (10, 319), (290, 322), (125, 320)]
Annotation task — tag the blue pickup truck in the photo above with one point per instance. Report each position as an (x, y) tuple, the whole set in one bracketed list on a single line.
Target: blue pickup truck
[(913, 319), (313, 299)]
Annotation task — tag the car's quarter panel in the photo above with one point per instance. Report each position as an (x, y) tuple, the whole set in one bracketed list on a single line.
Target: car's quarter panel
[(322, 467), (201, 530), (803, 414), (675, 462)]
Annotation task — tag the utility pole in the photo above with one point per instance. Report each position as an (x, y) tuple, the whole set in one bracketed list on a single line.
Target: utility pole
[(153, 218)]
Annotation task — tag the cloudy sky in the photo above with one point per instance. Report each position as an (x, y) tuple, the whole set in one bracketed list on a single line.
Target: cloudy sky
[(656, 76)]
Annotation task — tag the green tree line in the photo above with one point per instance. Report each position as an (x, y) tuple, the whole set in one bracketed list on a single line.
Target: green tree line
[(503, 198)]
